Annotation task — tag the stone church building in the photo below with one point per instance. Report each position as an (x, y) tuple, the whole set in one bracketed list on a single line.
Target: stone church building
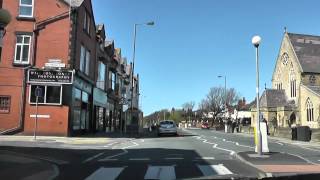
[(295, 95)]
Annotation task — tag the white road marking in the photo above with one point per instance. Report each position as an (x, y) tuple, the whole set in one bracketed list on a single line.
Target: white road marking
[(92, 157), (206, 158), (301, 158), (109, 157), (216, 146), (209, 170), (174, 158), (110, 160), (279, 143), (160, 172), (105, 173), (134, 144), (139, 159), (319, 160)]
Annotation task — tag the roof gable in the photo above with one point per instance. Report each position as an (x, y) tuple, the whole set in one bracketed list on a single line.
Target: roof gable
[(273, 98), (307, 49), (74, 3)]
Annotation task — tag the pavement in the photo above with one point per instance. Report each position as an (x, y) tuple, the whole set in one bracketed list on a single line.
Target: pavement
[(193, 154)]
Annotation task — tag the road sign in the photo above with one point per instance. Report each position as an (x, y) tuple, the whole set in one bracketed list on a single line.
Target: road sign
[(55, 65), (38, 92), (40, 116)]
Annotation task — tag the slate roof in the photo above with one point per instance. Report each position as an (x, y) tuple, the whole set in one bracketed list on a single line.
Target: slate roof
[(74, 3), (315, 89), (99, 27), (273, 98), (307, 49)]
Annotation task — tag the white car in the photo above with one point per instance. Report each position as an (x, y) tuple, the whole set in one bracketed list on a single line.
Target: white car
[(167, 127)]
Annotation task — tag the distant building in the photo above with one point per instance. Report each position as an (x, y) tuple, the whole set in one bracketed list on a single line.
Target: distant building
[(295, 95)]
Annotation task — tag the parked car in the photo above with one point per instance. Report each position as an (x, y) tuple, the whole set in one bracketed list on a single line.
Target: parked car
[(167, 127), (205, 125)]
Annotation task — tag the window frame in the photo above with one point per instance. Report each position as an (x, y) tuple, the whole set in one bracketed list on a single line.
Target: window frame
[(310, 110), (86, 22), (113, 81), (21, 51), (45, 94), (85, 66), (26, 5), (9, 106), (101, 79)]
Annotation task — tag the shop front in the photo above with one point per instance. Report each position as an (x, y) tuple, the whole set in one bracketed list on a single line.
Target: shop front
[(100, 102), (81, 108)]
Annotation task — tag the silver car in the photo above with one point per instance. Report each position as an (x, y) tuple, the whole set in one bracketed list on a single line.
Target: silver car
[(167, 127)]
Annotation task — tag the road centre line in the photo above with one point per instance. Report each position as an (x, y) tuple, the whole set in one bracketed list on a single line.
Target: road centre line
[(206, 158), (174, 158), (139, 159)]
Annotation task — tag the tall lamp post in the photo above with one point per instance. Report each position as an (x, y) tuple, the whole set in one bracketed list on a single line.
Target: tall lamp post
[(256, 42), (225, 91), (151, 23), (5, 18)]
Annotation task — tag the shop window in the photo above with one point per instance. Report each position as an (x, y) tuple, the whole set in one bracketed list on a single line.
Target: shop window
[(5, 102), (51, 95), (77, 109)]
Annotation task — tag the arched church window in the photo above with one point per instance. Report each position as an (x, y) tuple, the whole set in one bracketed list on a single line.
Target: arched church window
[(309, 110), (285, 59), (293, 83), (279, 83)]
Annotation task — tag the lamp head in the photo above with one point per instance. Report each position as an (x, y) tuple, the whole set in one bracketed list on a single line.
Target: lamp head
[(256, 40)]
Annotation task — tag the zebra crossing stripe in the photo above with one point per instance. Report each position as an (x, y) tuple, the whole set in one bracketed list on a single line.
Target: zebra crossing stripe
[(160, 172), (105, 173), (210, 170)]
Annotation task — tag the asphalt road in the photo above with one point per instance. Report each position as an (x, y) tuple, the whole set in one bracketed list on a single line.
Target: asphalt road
[(195, 153)]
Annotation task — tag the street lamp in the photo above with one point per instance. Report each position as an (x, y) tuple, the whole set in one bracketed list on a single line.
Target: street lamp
[(256, 42), (151, 23), (225, 90), (5, 18)]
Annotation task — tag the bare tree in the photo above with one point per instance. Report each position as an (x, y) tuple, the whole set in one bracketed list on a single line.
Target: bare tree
[(188, 109), (188, 106), (217, 98)]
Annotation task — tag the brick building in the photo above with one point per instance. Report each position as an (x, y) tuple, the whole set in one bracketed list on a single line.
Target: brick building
[(61, 39)]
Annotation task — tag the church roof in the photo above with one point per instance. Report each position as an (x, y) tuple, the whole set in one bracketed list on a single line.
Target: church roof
[(315, 89), (273, 98), (307, 49)]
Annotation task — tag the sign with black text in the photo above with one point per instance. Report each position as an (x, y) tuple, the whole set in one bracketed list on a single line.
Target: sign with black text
[(50, 76)]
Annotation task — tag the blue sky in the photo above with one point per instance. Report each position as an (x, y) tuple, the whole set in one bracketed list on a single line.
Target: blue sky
[(194, 41)]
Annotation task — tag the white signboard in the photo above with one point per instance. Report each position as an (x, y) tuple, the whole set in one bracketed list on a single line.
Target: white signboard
[(55, 65), (40, 116)]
